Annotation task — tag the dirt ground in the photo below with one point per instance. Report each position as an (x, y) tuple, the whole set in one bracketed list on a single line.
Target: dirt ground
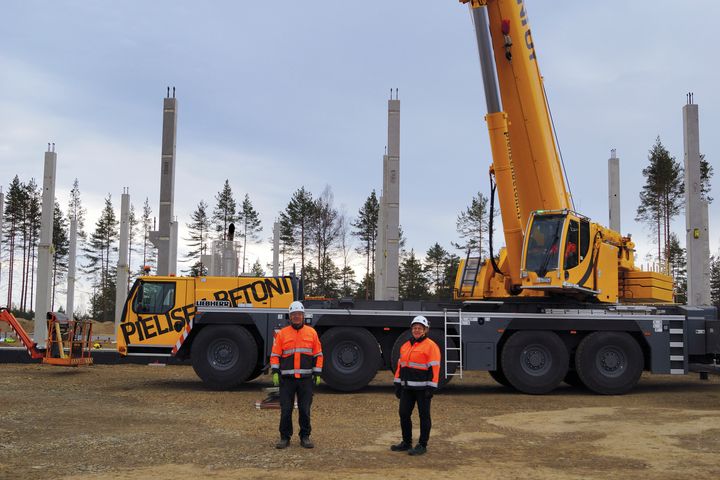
[(136, 421)]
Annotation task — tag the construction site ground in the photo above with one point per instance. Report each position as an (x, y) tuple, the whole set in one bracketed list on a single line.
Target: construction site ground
[(142, 421)]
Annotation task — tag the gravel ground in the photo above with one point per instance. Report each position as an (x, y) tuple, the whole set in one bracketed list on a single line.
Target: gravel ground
[(134, 421)]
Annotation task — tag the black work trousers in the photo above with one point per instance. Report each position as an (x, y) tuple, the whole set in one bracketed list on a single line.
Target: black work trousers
[(408, 398), (303, 388)]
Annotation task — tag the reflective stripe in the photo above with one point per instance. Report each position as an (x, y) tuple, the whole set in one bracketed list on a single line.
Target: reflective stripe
[(275, 355), (403, 364), (297, 350), (418, 365), (397, 380), (317, 369), (318, 355), (410, 383), (297, 370), (430, 364)]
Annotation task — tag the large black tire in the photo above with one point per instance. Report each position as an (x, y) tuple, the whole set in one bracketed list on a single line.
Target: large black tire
[(609, 363), (436, 336), (535, 362), (351, 358), (224, 356)]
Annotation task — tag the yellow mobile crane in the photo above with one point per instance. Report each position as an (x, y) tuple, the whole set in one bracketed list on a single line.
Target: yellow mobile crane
[(550, 249)]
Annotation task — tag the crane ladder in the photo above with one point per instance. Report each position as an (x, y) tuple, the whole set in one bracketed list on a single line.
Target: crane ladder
[(449, 360)]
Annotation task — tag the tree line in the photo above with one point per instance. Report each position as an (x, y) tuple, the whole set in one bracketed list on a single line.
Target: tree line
[(317, 239)]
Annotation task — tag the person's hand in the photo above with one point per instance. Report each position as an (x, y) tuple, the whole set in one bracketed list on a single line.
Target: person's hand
[(316, 380), (398, 391), (276, 379), (429, 392)]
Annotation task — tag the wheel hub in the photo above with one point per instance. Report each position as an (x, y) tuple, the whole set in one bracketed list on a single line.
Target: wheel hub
[(222, 354), (535, 360), (611, 361), (348, 357)]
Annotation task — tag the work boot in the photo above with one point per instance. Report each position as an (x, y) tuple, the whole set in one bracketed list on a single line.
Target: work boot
[(283, 443), (306, 442), (400, 447), (418, 450)]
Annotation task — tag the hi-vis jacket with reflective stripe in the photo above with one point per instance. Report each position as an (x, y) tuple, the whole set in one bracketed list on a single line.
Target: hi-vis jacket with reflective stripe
[(419, 364), (297, 352)]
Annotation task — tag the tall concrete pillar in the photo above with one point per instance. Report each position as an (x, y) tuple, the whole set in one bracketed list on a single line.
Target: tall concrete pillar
[(614, 191), (697, 241), (276, 249), (165, 237), (389, 250), (380, 246), (70, 309), (121, 287), (42, 277)]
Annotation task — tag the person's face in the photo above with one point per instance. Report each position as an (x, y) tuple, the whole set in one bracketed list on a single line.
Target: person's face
[(417, 330), (297, 318)]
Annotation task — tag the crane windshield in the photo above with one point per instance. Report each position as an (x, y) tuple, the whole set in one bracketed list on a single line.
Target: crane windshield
[(544, 243)]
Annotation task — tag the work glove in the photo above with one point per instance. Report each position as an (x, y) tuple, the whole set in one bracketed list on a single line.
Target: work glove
[(398, 390), (276, 379), (316, 380), (429, 392)]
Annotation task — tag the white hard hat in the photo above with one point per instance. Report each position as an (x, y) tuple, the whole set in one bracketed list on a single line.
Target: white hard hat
[(296, 307), (421, 320)]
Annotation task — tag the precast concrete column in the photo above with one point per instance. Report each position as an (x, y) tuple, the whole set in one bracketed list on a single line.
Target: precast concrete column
[(42, 276), (70, 309), (614, 191), (172, 248), (162, 238), (697, 241), (380, 248), (392, 201), (121, 288), (276, 249)]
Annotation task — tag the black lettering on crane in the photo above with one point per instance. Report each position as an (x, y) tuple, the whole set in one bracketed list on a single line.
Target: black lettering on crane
[(259, 297), (529, 44), (273, 284), (221, 295), (128, 328), (523, 14)]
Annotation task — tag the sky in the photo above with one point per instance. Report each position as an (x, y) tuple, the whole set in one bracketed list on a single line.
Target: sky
[(274, 96)]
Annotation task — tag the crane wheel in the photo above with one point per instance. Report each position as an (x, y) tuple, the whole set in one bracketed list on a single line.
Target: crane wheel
[(609, 363), (224, 356), (437, 336), (351, 358), (535, 362)]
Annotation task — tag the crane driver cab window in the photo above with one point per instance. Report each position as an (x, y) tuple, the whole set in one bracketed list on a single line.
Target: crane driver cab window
[(544, 244), (571, 245), (154, 298)]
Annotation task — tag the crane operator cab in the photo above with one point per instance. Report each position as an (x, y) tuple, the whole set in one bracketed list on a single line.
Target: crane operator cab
[(558, 254)]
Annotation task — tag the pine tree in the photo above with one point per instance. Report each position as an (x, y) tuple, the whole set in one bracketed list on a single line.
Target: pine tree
[(32, 220), (347, 275), (715, 281), (257, 270), (99, 250), (133, 223), (295, 223), (435, 262), (146, 225), (677, 262), (14, 207), (250, 225), (324, 231), (661, 197), (198, 230), (76, 210), (706, 173), (61, 249), (413, 283), (472, 226), (366, 228), (225, 211)]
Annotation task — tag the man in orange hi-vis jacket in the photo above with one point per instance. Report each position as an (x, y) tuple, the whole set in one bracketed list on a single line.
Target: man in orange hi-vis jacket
[(416, 379), (296, 362)]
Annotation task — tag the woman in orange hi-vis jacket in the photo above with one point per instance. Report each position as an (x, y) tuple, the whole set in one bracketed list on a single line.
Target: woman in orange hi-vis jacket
[(296, 362), (416, 379)]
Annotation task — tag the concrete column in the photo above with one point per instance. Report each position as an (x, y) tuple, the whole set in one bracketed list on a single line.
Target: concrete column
[(392, 200), (121, 288), (380, 248), (172, 248), (276, 249), (697, 240), (614, 191), (162, 237), (70, 309), (42, 276)]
